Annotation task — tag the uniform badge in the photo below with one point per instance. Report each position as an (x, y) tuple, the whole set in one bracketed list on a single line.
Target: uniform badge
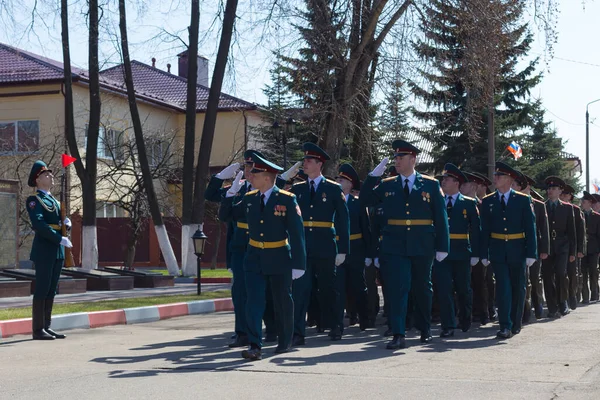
[(280, 210), (465, 213), (32, 204), (324, 197)]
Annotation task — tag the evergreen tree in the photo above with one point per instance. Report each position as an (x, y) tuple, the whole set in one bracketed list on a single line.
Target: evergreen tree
[(454, 89)]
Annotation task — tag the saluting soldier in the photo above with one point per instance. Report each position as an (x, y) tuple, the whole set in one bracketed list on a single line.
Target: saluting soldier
[(322, 203), (47, 251), (534, 295), (563, 246), (416, 232), (589, 263), (351, 274), (508, 241), (482, 277), (454, 272), (574, 267), (275, 252)]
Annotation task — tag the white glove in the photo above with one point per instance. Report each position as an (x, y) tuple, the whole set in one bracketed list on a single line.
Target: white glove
[(368, 262), (485, 262), (474, 261), (66, 242), (236, 185), (68, 223), (228, 172), (292, 172), (339, 259), (440, 255), (529, 261), (297, 273), (230, 270), (376, 262), (380, 169)]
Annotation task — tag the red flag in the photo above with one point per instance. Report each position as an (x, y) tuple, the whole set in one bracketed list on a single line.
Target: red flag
[(67, 160)]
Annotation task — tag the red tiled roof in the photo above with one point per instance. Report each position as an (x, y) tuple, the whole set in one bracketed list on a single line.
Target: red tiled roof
[(171, 88), (151, 84)]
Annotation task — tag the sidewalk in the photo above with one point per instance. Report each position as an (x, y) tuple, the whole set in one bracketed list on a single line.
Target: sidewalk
[(179, 288)]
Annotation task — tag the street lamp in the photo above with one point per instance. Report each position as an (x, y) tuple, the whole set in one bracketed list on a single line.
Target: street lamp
[(290, 129), (587, 145), (199, 239)]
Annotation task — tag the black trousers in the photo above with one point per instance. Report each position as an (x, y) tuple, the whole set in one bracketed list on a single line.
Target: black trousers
[(351, 281), (554, 275), (372, 292), (589, 269), (535, 291), (479, 285)]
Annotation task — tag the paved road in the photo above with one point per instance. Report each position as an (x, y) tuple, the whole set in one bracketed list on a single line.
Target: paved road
[(179, 288), (187, 358)]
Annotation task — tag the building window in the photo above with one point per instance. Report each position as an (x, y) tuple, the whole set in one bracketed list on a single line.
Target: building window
[(106, 209), (110, 143), (19, 136), (157, 152)]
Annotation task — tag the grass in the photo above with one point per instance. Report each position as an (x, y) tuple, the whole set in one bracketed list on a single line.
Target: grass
[(104, 305), (206, 273)]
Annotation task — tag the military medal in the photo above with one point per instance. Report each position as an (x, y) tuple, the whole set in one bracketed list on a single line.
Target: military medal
[(465, 213), (324, 197)]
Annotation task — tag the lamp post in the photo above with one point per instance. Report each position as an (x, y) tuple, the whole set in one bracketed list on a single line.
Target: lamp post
[(587, 145), (199, 239), (290, 129)]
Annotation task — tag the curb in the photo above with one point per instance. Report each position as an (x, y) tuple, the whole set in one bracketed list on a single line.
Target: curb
[(127, 316)]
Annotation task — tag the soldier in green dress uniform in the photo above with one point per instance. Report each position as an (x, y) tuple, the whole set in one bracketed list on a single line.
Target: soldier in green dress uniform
[(454, 272), (563, 248), (416, 232), (325, 215), (47, 251), (275, 252), (508, 241)]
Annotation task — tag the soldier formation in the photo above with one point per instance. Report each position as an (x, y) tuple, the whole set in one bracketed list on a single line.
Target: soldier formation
[(306, 250)]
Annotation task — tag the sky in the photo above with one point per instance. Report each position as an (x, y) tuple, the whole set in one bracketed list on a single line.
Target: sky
[(571, 76)]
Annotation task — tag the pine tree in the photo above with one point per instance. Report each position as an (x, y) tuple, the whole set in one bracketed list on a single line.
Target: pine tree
[(454, 90)]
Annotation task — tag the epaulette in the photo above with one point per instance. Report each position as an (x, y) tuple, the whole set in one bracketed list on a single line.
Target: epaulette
[(299, 183), (252, 192), (431, 178), (488, 195), (286, 192), (468, 198), (334, 182), (391, 178), (521, 193)]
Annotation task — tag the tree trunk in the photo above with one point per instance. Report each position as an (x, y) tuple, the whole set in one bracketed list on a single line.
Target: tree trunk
[(161, 231), (210, 118), (188, 260)]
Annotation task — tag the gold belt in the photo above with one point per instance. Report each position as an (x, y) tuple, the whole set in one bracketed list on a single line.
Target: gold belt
[(268, 245), (242, 225), (459, 236), (409, 222), (318, 224), (54, 226), (352, 237), (508, 236)]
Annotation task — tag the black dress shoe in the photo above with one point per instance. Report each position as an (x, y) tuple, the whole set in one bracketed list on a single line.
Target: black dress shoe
[(252, 354), (465, 326), (320, 330), (311, 322), (504, 334), (585, 301), (516, 331), (42, 335), (447, 333), (564, 311), (281, 350), (572, 303), (270, 337), (484, 321), (398, 342), (335, 334), (298, 340), (426, 337), (538, 312), (553, 315), (233, 336), (240, 341), (55, 334), (388, 332), (353, 321)]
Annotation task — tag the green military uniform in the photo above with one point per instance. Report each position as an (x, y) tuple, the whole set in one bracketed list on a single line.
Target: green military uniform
[(589, 263), (416, 227), (323, 207), (47, 253), (276, 247), (563, 244), (351, 274), (508, 238), (454, 272), (574, 267)]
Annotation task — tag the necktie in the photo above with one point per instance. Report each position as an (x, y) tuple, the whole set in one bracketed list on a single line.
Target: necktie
[(312, 190), (503, 203), (449, 205), (406, 191), (262, 202)]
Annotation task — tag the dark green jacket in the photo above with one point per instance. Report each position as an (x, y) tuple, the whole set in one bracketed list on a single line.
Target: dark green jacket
[(561, 224), (517, 219), (424, 203), (44, 210), (593, 232), (361, 242), (541, 225), (328, 206), (464, 220)]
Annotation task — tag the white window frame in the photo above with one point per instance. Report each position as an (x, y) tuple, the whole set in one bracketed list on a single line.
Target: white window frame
[(16, 126)]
